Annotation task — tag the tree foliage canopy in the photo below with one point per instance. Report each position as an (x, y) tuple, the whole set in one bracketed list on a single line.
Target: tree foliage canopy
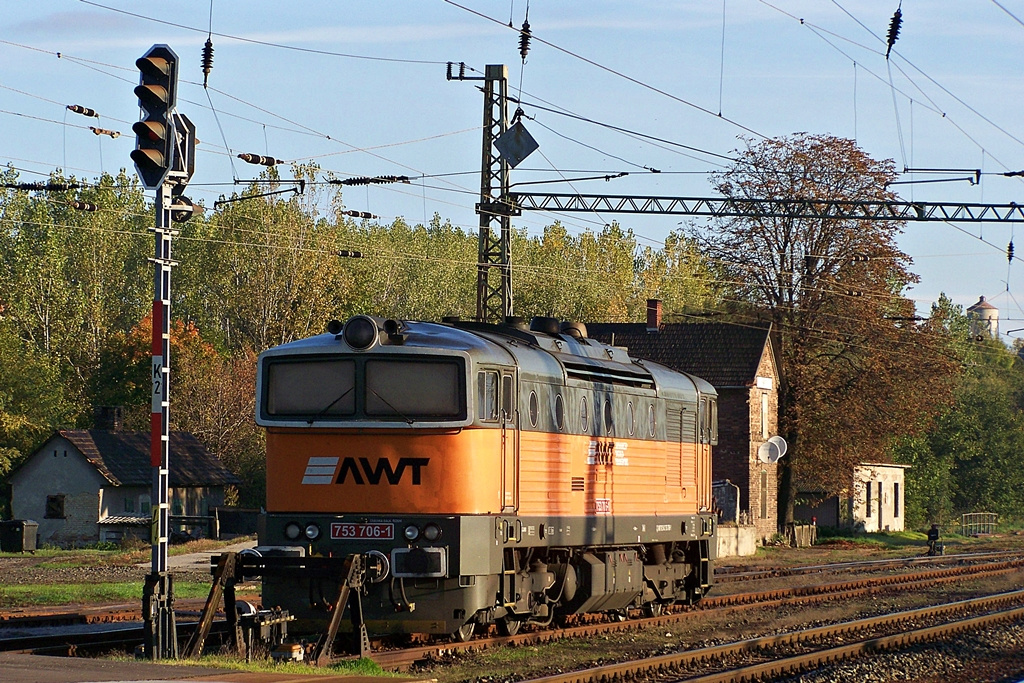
[(856, 370), (76, 294)]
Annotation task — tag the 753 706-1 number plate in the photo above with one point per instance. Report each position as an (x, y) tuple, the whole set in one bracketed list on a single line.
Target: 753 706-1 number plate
[(367, 532)]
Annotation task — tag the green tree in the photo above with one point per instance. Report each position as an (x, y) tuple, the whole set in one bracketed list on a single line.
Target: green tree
[(33, 402)]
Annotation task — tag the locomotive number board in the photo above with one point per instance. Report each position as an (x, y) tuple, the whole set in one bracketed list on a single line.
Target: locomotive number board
[(376, 532)]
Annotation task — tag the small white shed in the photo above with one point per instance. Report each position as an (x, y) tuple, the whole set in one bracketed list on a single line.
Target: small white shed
[(878, 497)]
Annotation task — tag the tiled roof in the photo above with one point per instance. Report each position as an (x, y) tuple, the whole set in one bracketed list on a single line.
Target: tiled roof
[(123, 458), (725, 355)]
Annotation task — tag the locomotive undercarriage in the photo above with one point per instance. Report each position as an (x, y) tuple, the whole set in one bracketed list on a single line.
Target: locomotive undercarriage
[(508, 583), (541, 586)]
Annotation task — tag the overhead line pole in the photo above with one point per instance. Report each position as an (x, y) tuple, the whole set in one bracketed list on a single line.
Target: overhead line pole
[(494, 271)]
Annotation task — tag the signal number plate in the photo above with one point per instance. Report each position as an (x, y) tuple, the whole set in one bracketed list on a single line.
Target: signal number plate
[(368, 532)]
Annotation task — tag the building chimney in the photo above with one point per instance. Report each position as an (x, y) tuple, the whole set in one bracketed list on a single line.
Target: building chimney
[(108, 418), (653, 316)]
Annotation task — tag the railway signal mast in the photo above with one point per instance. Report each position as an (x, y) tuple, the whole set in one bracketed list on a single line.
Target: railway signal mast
[(164, 157)]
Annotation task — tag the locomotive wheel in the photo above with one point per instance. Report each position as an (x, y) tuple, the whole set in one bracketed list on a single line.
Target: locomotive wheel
[(509, 627), (464, 633), (618, 615), (654, 609)]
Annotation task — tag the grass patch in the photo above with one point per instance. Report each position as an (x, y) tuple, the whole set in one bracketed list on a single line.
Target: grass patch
[(43, 595), (118, 556), (356, 667)]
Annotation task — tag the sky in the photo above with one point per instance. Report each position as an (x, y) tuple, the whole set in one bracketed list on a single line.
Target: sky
[(359, 88)]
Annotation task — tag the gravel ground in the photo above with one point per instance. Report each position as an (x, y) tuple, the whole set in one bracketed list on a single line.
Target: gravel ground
[(995, 654)]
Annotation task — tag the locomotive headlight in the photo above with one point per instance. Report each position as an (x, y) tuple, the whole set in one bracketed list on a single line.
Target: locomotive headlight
[(431, 532), (292, 531), (312, 532), (412, 532), (360, 332)]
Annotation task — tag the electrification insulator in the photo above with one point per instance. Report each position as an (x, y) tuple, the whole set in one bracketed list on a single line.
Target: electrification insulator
[(350, 253), (894, 30), (1009, 251), (376, 180), (259, 160), (854, 292), (860, 257), (524, 40), (359, 214), (84, 111), (82, 206), (103, 131), (207, 60)]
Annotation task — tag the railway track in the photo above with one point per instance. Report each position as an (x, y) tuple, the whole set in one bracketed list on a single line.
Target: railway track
[(732, 574), (402, 659), (818, 646)]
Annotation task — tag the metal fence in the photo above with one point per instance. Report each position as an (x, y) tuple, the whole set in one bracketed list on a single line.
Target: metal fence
[(976, 523)]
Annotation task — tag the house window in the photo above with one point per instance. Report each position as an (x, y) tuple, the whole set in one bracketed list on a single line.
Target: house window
[(896, 499), (129, 505), (764, 494), (55, 507), (144, 503), (177, 507), (867, 501), (764, 415)]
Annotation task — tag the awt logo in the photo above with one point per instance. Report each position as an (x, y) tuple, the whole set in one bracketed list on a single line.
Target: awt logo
[(365, 473), (361, 471)]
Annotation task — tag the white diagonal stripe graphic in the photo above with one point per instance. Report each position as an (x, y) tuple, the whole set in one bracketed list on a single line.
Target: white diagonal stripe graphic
[(319, 470)]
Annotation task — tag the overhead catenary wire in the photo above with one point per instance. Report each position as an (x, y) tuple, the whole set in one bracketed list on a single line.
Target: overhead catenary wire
[(617, 73)]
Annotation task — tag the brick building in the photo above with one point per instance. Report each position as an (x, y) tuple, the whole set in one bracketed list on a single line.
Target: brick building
[(740, 362)]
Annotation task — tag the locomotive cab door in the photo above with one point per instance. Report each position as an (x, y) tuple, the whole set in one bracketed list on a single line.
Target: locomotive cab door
[(706, 423), (509, 444)]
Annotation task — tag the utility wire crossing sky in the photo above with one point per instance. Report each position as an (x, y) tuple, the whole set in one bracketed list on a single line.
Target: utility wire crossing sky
[(640, 98)]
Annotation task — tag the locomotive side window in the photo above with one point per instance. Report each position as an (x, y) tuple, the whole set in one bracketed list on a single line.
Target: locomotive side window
[(487, 396), (630, 418), (507, 407), (607, 416), (703, 421), (534, 409), (651, 424), (559, 412), (714, 421), (322, 388), (410, 388), (584, 416)]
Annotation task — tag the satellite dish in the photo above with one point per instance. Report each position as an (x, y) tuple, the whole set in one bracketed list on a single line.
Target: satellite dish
[(771, 450)]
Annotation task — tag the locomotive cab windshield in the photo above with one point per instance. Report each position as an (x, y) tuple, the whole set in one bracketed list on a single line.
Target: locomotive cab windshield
[(364, 389)]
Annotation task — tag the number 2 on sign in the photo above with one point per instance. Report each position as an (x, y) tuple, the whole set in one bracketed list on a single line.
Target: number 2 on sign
[(158, 383)]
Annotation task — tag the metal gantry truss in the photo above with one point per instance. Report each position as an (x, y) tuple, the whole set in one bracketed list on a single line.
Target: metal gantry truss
[(722, 207), (498, 204)]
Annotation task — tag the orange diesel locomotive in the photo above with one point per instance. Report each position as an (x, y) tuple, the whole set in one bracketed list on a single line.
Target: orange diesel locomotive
[(485, 473)]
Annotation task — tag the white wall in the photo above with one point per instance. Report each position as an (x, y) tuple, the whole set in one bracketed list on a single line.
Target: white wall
[(58, 469), (885, 513)]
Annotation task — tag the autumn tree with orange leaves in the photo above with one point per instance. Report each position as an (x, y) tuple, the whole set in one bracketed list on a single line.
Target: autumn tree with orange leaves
[(857, 368)]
